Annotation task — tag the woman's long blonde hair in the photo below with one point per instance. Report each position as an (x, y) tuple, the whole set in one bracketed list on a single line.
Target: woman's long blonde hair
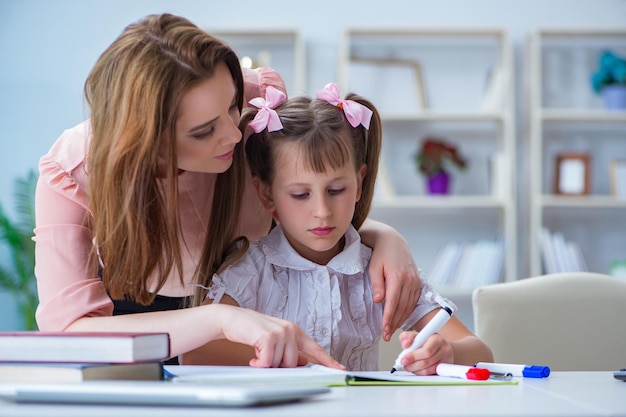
[(134, 91)]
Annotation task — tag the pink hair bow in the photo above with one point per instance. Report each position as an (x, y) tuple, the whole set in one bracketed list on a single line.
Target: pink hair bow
[(267, 116), (356, 113)]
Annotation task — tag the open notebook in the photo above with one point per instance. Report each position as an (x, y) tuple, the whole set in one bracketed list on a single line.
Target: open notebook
[(309, 375), (157, 393)]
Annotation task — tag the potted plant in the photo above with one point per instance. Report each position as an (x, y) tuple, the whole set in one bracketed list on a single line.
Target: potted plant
[(17, 263), (610, 80), (433, 159)]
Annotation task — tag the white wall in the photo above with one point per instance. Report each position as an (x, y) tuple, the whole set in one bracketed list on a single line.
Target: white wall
[(47, 48)]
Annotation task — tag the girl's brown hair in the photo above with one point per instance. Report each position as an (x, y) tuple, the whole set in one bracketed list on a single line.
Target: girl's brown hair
[(134, 91), (328, 141)]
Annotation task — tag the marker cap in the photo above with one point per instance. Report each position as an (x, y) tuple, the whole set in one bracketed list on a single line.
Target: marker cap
[(479, 374), (536, 371)]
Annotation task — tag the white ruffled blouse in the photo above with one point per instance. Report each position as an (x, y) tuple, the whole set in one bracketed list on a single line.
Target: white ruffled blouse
[(332, 303)]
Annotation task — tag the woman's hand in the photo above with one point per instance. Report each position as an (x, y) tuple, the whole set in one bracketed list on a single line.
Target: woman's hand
[(395, 278), (424, 360), (276, 342)]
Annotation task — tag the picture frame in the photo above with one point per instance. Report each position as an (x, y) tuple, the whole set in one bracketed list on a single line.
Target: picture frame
[(402, 74), (572, 174), (617, 172)]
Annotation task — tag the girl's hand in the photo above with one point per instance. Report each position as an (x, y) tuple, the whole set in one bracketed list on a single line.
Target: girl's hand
[(276, 342), (424, 360), (395, 279)]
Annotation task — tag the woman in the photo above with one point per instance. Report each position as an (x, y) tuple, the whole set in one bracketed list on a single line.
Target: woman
[(126, 216)]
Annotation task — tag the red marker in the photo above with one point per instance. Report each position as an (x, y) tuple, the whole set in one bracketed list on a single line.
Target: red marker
[(462, 371)]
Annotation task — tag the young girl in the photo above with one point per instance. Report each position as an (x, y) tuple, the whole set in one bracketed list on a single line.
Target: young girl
[(314, 166)]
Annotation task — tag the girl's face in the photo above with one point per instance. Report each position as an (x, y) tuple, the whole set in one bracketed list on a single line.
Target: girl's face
[(206, 129), (314, 209)]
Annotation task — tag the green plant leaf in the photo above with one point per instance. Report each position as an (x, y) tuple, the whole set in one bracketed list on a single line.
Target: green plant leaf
[(7, 281), (25, 201), (17, 275)]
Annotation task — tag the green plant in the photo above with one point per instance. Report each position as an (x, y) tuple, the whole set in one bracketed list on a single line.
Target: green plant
[(436, 155), (611, 71), (18, 250)]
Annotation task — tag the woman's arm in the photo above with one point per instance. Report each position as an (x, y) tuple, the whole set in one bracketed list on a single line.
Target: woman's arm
[(395, 278), (274, 342), (221, 351), (228, 353), (68, 285)]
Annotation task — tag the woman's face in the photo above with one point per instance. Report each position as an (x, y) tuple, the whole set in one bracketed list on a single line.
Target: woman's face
[(206, 129)]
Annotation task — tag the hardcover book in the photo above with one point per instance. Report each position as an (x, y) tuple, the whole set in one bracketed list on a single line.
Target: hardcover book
[(83, 347), (77, 372)]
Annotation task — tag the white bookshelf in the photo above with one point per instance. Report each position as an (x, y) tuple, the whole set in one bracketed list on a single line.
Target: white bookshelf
[(566, 115), (280, 49), (449, 83)]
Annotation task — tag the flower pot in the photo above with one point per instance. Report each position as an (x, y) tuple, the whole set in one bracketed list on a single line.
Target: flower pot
[(438, 183), (614, 97)]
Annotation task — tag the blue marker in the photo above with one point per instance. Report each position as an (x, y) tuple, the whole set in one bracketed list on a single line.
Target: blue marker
[(527, 371)]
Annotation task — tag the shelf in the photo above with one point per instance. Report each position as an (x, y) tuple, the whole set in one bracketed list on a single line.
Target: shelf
[(582, 115), (582, 202), (448, 116), (567, 116), (429, 202), (415, 35), (413, 78)]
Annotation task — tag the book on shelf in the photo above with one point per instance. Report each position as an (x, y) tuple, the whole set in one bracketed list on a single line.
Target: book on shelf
[(444, 266), (83, 347), (469, 264), (466, 268), (559, 254), (496, 263), (547, 252), (77, 372), (485, 264), (307, 375)]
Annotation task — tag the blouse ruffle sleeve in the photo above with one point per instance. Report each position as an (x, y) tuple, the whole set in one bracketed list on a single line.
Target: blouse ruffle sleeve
[(257, 80), (237, 282), (67, 283), (250, 283), (428, 301)]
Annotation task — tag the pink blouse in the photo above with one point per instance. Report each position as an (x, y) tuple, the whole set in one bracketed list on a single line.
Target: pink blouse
[(68, 284)]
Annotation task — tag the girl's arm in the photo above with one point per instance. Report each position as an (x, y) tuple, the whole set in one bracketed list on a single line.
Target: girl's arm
[(454, 343), (395, 278)]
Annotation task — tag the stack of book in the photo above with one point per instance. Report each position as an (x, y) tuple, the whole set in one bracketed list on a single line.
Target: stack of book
[(73, 356)]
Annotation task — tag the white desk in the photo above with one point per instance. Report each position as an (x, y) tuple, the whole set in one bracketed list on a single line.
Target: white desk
[(562, 394)]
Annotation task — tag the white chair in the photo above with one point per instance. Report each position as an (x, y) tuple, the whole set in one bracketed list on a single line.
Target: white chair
[(389, 351), (568, 321)]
